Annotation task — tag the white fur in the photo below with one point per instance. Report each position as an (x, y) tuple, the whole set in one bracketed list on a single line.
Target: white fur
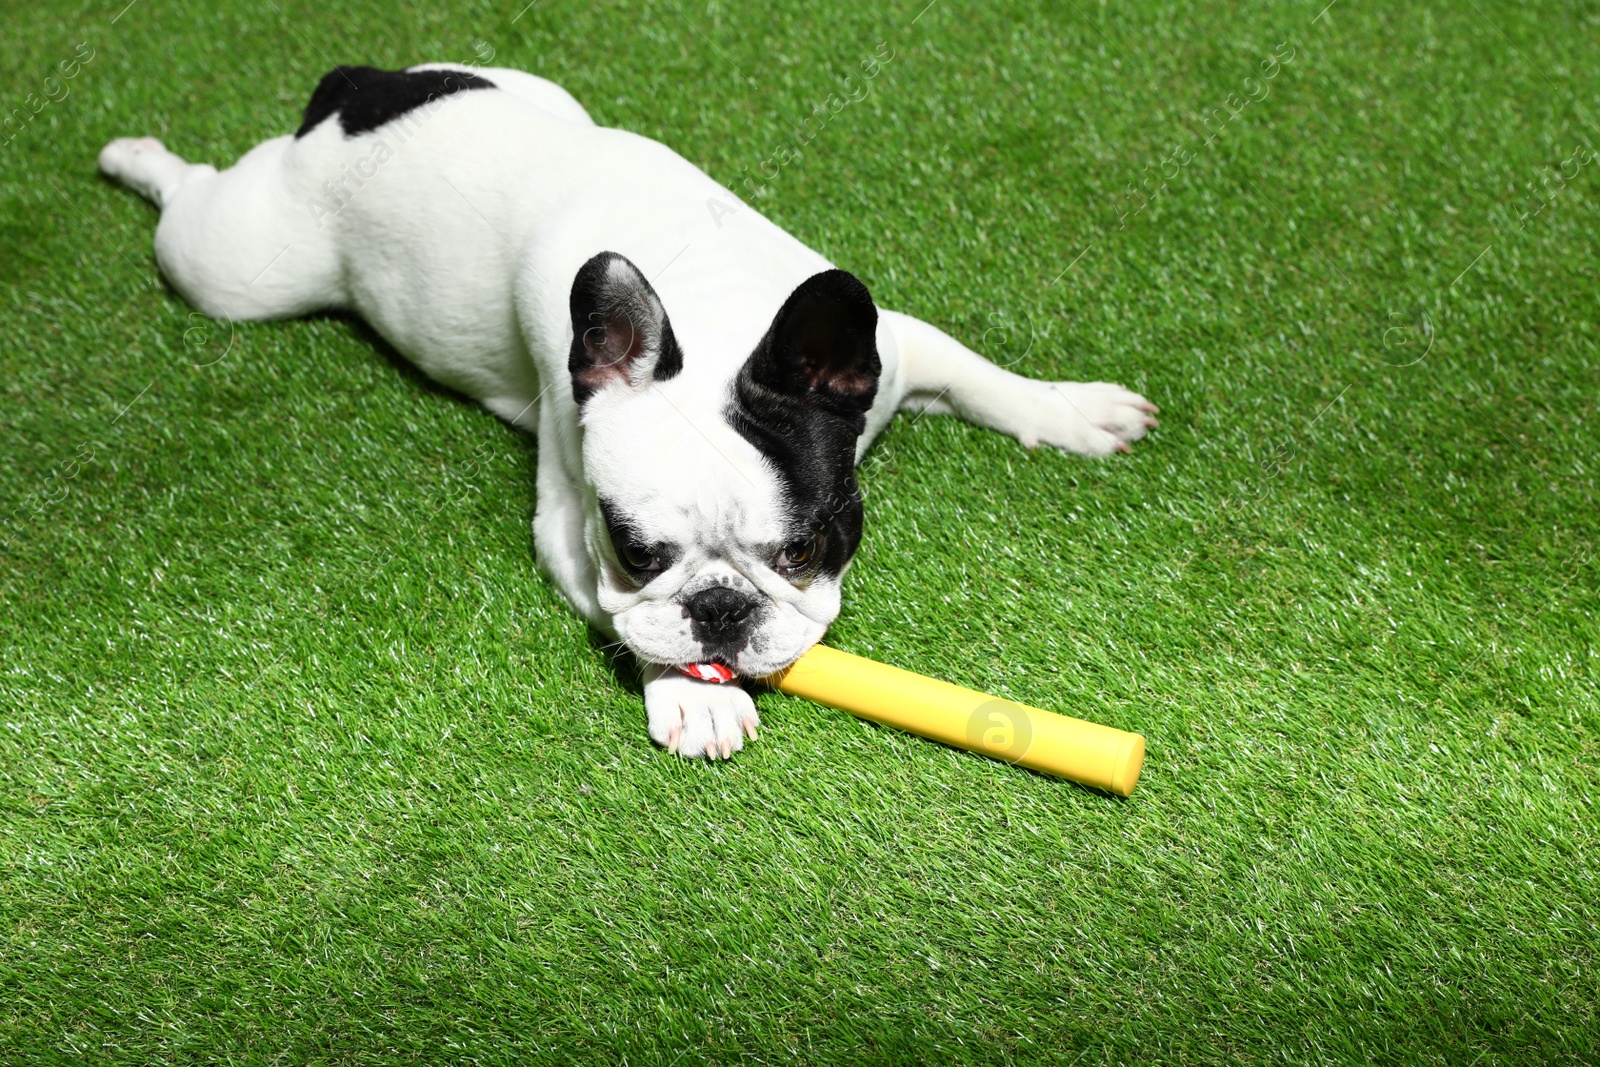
[(456, 231)]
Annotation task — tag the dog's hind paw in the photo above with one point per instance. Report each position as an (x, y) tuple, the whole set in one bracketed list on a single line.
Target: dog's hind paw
[(124, 158), (145, 165)]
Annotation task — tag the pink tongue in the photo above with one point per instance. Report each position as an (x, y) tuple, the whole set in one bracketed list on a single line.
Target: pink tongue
[(707, 672)]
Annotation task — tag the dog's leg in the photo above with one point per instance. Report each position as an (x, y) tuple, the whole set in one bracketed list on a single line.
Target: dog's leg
[(558, 528), (238, 244), (523, 414), (940, 375), (144, 165)]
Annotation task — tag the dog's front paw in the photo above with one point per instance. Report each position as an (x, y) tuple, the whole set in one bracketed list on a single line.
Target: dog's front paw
[(695, 718), (1089, 418)]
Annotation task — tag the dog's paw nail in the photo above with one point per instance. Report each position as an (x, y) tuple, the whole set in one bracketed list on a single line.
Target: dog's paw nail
[(727, 749), (1123, 446), (749, 729), (1152, 422)]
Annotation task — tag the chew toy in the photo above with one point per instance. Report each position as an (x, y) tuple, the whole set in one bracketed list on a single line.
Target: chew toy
[(1085, 752)]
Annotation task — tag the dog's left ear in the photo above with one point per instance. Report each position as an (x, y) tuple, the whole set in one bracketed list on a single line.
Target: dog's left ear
[(822, 347), (620, 331)]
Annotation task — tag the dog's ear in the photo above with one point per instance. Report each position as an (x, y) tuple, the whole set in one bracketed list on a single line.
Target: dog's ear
[(822, 347), (620, 331)]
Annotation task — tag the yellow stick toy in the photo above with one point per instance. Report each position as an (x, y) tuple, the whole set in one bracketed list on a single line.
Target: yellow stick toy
[(1085, 752)]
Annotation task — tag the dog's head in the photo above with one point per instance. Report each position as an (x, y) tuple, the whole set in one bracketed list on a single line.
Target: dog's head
[(721, 515)]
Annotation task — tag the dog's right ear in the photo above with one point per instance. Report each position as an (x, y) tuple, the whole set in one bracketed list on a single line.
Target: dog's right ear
[(620, 331)]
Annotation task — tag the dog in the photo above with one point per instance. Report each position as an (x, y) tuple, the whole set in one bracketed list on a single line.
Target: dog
[(701, 384)]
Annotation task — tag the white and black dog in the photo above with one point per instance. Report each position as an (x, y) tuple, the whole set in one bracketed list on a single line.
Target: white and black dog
[(701, 383)]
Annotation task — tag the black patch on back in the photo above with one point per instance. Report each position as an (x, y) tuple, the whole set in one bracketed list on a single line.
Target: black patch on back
[(802, 399), (365, 98)]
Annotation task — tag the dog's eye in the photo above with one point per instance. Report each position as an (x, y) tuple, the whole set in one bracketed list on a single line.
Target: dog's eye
[(642, 558), (797, 555), (638, 557), (642, 561)]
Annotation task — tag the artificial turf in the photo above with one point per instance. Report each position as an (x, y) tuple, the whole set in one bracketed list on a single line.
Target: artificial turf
[(302, 761)]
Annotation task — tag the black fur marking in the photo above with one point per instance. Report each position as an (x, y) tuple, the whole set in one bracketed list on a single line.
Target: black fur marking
[(617, 322), (624, 534), (365, 98), (823, 345), (802, 399), (671, 359)]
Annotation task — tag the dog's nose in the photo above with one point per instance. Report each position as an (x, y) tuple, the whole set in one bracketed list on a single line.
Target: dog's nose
[(719, 612)]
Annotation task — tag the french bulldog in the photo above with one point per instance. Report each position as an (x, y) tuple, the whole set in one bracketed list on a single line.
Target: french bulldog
[(701, 384)]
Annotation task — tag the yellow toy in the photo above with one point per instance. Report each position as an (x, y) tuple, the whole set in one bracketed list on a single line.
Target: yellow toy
[(1085, 752)]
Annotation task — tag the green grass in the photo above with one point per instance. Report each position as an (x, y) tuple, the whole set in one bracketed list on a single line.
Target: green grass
[(302, 762)]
